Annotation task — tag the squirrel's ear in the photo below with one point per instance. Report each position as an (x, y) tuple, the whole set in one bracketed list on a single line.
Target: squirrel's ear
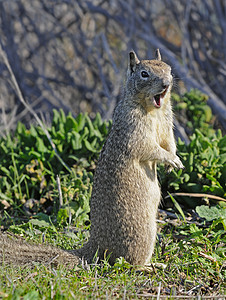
[(157, 54), (133, 61)]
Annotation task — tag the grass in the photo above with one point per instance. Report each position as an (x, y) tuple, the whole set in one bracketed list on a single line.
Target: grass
[(189, 260), (189, 257)]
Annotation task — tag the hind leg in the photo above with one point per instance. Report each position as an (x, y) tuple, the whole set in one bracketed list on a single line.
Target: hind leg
[(152, 243)]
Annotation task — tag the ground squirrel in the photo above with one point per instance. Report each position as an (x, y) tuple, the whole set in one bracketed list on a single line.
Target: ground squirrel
[(126, 193)]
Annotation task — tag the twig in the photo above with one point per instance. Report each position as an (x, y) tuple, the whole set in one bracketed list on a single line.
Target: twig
[(197, 195), (19, 93)]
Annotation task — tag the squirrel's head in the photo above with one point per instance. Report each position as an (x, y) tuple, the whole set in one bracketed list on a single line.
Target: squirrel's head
[(149, 81)]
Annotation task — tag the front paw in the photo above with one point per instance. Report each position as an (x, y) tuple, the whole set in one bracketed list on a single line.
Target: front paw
[(175, 162)]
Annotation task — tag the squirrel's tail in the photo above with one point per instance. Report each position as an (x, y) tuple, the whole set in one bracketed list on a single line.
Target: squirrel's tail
[(17, 251)]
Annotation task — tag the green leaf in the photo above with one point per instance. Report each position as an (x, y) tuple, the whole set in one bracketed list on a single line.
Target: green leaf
[(90, 126), (176, 204), (40, 145), (89, 146), (35, 154), (62, 116), (56, 117), (40, 223), (84, 134), (80, 121), (76, 141), (20, 128), (97, 122), (222, 144), (5, 170), (33, 131), (71, 124), (211, 213), (222, 159), (186, 177)]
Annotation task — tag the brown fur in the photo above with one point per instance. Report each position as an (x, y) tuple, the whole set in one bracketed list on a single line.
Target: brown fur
[(126, 192)]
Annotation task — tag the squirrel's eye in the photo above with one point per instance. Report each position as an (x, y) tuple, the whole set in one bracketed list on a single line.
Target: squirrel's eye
[(144, 74)]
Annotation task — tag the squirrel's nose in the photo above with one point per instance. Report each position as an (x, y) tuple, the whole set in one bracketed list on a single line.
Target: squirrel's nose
[(165, 83), (165, 86)]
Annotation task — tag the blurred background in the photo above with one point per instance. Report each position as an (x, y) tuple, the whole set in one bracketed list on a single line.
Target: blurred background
[(73, 54)]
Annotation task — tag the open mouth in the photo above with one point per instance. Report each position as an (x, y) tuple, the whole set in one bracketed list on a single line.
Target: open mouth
[(158, 98)]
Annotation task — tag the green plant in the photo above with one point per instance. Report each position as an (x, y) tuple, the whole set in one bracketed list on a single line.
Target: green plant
[(28, 165), (193, 112), (205, 167), (76, 192), (188, 261), (213, 213)]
